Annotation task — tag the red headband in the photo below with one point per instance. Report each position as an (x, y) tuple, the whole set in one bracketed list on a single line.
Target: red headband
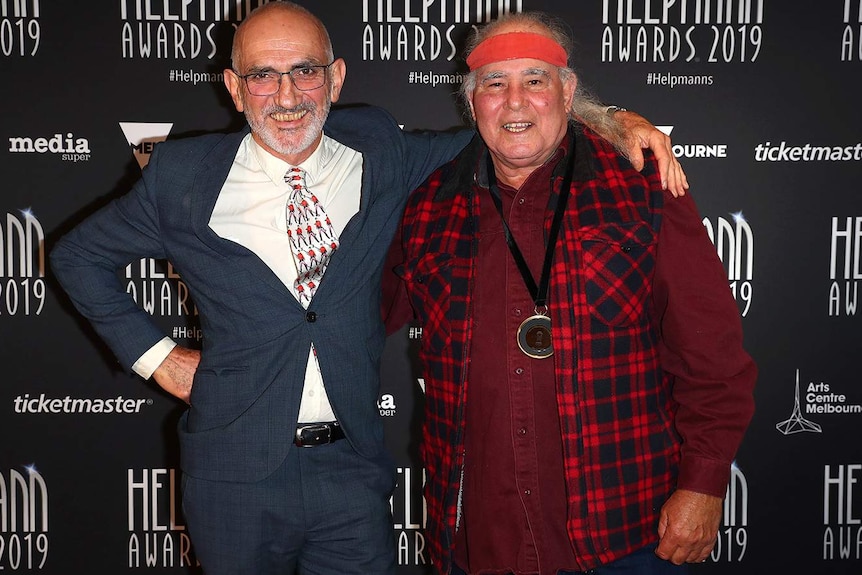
[(517, 45)]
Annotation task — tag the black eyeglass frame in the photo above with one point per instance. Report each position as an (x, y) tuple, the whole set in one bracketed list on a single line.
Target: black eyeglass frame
[(322, 67)]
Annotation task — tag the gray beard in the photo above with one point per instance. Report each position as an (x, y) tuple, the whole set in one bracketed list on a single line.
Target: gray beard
[(312, 131)]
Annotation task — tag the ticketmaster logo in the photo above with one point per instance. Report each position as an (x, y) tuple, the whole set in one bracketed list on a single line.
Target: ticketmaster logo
[(806, 153), (44, 404)]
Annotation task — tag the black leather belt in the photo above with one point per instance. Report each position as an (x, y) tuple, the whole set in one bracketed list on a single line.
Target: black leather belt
[(314, 434)]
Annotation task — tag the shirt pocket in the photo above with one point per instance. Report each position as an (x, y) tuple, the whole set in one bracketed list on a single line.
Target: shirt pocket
[(429, 287), (618, 266)]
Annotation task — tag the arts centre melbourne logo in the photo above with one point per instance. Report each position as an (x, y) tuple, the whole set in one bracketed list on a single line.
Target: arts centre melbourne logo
[(817, 400)]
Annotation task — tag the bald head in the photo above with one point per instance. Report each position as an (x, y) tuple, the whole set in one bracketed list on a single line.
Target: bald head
[(266, 22), (275, 40)]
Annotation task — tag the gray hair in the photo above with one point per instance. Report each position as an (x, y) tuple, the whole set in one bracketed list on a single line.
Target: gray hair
[(586, 108)]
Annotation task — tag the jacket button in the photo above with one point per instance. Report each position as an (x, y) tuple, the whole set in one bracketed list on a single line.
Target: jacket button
[(311, 317)]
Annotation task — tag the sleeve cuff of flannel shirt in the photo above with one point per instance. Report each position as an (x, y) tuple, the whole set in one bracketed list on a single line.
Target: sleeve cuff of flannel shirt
[(704, 475)]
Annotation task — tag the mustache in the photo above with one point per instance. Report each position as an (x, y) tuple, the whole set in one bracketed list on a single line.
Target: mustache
[(303, 106)]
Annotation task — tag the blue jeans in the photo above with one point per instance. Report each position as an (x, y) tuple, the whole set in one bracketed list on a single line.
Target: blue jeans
[(641, 562)]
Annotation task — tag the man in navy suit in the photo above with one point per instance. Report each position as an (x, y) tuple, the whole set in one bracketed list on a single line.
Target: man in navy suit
[(215, 207)]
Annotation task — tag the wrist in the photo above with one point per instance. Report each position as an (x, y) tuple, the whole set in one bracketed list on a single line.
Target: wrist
[(611, 110)]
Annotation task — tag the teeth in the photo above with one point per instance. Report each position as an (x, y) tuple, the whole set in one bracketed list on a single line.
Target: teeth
[(517, 126), (289, 117)]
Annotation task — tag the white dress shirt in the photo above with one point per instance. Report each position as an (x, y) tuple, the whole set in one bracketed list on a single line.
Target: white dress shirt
[(250, 211)]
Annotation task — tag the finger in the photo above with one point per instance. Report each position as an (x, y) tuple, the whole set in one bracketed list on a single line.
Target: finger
[(636, 155), (681, 178), (665, 170), (674, 180), (664, 549)]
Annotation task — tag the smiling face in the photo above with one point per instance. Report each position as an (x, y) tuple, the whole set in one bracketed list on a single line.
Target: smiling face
[(521, 109), (289, 123)]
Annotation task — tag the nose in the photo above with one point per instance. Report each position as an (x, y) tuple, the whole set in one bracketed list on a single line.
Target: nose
[(515, 96), (288, 95)]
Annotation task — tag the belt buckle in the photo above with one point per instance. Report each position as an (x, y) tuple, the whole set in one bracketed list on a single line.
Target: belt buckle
[(314, 429)]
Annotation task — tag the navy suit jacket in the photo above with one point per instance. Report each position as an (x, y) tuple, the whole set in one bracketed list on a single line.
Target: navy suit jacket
[(247, 389)]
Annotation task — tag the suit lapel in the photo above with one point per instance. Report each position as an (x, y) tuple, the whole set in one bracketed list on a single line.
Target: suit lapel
[(208, 182)]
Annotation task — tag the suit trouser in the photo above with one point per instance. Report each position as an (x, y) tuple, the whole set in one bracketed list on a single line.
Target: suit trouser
[(324, 511)]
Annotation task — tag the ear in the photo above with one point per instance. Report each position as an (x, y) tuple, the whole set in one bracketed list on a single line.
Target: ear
[(233, 83), (337, 72), (470, 106)]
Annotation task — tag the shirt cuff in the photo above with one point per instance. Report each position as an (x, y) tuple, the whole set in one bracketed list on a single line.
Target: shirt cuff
[(704, 475), (153, 357)]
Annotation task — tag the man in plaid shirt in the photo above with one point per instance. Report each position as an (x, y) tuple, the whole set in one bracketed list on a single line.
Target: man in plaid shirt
[(586, 384)]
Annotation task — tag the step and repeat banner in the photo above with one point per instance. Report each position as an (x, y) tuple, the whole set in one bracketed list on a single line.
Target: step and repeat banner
[(760, 97)]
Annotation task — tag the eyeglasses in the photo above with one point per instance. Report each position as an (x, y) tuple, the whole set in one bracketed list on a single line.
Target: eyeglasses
[(268, 82)]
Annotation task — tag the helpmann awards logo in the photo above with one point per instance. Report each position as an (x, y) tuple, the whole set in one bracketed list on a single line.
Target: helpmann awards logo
[(23, 520), (22, 265), (657, 32), (20, 28), (157, 534)]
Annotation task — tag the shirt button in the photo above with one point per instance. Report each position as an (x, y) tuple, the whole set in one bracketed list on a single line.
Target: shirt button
[(519, 371), (527, 492), (311, 317), (521, 201), (522, 431), (517, 311)]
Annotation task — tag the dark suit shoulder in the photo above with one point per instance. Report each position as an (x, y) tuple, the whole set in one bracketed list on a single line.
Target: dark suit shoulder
[(364, 128), (191, 150)]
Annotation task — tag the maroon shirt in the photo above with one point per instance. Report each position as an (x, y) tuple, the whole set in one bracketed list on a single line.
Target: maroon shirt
[(514, 504)]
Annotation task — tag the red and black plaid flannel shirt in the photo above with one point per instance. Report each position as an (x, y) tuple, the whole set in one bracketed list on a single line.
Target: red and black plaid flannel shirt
[(617, 406)]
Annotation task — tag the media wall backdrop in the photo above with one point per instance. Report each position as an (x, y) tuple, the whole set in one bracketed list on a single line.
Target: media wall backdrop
[(761, 98)]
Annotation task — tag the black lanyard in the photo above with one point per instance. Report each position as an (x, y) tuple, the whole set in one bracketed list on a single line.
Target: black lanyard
[(538, 293)]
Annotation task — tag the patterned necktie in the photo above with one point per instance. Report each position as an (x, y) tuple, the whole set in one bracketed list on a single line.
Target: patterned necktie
[(311, 235)]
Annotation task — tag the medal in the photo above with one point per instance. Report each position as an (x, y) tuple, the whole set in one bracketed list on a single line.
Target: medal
[(534, 333), (534, 336)]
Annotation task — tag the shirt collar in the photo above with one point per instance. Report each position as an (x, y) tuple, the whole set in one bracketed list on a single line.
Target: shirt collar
[(314, 165), (469, 167), (552, 163)]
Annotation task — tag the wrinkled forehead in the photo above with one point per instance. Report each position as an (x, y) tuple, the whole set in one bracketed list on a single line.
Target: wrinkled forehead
[(284, 37)]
